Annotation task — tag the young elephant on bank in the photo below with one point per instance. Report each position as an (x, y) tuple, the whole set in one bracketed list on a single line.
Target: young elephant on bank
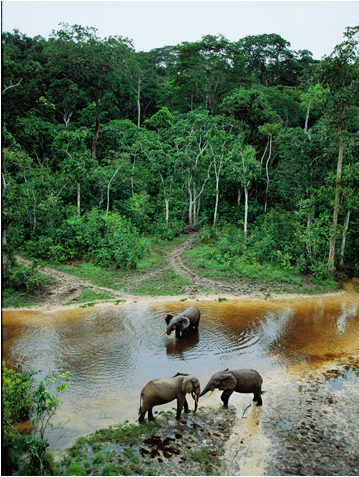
[(162, 391), (240, 380), (181, 324)]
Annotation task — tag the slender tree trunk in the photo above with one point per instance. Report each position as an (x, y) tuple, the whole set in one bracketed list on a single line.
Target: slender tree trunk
[(337, 198), (307, 119), (78, 199), (138, 102), (245, 211), (34, 213), (345, 231), (167, 202), (4, 255), (217, 200), (267, 171), (239, 193), (108, 190), (97, 130)]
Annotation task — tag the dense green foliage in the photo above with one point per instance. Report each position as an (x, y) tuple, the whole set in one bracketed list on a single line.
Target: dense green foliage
[(104, 146), (25, 400)]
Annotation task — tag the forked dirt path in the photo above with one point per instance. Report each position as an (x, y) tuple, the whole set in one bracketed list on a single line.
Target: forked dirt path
[(67, 287)]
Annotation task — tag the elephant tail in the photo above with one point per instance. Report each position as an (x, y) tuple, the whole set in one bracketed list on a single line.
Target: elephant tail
[(140, 409)]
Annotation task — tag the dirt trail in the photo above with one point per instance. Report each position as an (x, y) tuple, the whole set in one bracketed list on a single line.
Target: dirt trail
[(67, 287)]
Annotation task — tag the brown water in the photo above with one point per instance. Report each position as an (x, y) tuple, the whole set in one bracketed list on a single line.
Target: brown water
[(113, 351)]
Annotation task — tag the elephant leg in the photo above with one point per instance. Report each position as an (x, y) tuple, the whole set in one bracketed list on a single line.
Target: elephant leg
[(225, 397), (141, 418), (186, 408), (181, 401), (258, 398), (150, 415)]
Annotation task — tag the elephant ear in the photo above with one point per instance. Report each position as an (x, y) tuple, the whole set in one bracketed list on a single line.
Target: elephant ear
[(228, 381), (169, 318), (187, 385), (184, 323)]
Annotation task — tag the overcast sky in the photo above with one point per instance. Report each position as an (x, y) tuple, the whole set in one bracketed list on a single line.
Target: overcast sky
[(308, 25)]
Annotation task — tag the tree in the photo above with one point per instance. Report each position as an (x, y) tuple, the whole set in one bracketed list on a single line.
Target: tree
[(268, 129), (220, 144), (339, 72), (192, 135), (313, 98), (205, 71), (96, 65), (76, 161), (269, 59), (163, 161), (247, 169)]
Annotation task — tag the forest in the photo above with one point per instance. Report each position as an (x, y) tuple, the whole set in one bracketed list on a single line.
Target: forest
[(250, 142)]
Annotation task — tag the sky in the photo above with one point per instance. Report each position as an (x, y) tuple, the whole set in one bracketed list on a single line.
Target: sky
[(316, 26)]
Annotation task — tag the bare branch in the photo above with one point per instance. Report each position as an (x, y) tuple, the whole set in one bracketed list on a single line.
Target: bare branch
[(11, 86)]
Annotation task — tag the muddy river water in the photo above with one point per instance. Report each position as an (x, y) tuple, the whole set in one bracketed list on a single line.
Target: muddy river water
[(113, 351)]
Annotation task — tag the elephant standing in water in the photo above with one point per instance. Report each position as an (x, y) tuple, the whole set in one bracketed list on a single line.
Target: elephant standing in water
[(162, 391), (183, 322), (240, 380)]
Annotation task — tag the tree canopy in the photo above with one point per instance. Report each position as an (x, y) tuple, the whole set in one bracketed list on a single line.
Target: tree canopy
[(103, 144)]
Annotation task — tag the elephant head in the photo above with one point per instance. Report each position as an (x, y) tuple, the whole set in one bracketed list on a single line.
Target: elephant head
[(222, 380), (191, 385), (176, 323)]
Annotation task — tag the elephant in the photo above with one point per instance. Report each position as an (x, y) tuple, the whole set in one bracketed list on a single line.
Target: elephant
[(183, 322), (240, 380), (164, 390)]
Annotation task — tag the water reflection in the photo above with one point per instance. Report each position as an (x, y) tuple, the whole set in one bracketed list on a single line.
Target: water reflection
[(112, 352), (183, 348)]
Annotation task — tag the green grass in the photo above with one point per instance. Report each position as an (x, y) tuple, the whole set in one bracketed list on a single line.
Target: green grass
[(11, 298), (89, 294), (166, 284), (118, 279), (268, 274), (14, 298), (205, 459), (89, 453)]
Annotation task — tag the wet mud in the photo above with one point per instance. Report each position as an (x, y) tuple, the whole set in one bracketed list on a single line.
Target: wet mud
[(307, 426)]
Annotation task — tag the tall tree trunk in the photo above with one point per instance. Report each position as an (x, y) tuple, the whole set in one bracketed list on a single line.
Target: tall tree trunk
[(217, 200), (4, 255), (167, 202), (138, 102), (97, 130), (78, 199), (307, 119), (267, 172), (345, 231), (245, 211), (337, 197), (108, 190)]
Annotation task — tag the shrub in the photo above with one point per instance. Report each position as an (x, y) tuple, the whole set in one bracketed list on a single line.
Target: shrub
[(22, 399), (24, 278)]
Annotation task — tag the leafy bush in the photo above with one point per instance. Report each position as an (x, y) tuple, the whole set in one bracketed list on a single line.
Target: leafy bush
[(111, 241), (23, 399), (24, 278), (16, 394)]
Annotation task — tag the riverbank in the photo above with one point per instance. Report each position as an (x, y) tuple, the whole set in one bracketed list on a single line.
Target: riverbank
[(306, 349), (168, 274)]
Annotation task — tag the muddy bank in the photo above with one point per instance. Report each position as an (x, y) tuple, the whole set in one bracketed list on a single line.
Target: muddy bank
[(311, 431)]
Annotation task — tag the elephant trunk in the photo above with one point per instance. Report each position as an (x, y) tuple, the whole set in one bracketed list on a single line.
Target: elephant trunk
[(195, 396), (206, 389)]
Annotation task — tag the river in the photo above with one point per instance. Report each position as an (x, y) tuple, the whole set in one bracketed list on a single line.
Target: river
[(113, 351)]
